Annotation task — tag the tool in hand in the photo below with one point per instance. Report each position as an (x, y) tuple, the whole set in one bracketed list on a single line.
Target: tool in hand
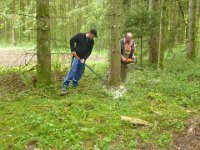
[(83, 61)]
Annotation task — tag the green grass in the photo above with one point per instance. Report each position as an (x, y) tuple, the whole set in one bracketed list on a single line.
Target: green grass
[(88, 117)]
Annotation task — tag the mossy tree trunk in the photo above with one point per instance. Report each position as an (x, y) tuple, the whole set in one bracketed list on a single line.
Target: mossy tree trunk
[(115, 64), (43, 43), (182, 30), (198, 29), (162, 39), (192, 25), (22, 21), (153, 33), (14, 40)]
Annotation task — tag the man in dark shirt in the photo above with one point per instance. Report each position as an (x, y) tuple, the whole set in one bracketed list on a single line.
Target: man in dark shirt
[(81, 48)]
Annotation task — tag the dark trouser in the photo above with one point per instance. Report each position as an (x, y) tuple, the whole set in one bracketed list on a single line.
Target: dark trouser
[(124, 71)]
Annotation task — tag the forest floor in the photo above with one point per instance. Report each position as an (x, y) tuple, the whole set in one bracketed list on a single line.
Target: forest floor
[(89, 117)]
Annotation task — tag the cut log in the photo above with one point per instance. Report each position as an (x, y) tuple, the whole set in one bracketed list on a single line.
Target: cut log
[(134, 120)]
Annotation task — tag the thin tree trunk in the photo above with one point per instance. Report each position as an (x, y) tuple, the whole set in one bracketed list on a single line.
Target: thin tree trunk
[(191, 41), (162, 39), (182, 30), (21, 29), (6, 32), (13, 26), (14, 36), (172, 15), (65, 21), (53, 24), (115, 64), (43, 43), (198, 26), (74, 18), (28, 24), (153, 40), (141, 53), (79, 18)]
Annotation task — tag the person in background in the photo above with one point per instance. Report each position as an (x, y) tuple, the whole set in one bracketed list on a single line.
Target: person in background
[(81, 47), (127, 54)]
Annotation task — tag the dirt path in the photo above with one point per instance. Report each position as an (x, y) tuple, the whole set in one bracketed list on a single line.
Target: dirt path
[(190, 140), (11, 58)]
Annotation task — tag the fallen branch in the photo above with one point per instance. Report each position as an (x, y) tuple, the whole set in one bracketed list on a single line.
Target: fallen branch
[(134, 120)]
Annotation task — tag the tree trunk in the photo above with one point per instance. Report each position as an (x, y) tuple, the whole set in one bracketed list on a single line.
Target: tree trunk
[(182, 30), (43, 43), (198, 26), (6, 32), (14, 36), (53, 24), (162, 39), (13, 26), (154, 33), (115, 64), (173, 22), (22, 20), (191, 41), (28, 24), (141, 53)]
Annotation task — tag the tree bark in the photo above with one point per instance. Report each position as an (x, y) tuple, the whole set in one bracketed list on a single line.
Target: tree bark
[(43, 43), (53, 24), (198, 26), (28, 24), (153, 40), (6, 32), (191, 41), (162, 39), (115, 64), (22, 20), (173, 22), (13, 26), (182, 30), (14, 36)]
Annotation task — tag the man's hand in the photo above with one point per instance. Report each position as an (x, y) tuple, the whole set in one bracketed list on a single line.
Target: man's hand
[(73, 53), (123, 59), (82, 61)]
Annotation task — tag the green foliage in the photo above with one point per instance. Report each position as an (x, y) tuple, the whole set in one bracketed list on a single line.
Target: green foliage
[(137, 22)]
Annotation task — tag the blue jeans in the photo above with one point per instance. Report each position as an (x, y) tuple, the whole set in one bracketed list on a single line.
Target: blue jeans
[(75, 73)]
